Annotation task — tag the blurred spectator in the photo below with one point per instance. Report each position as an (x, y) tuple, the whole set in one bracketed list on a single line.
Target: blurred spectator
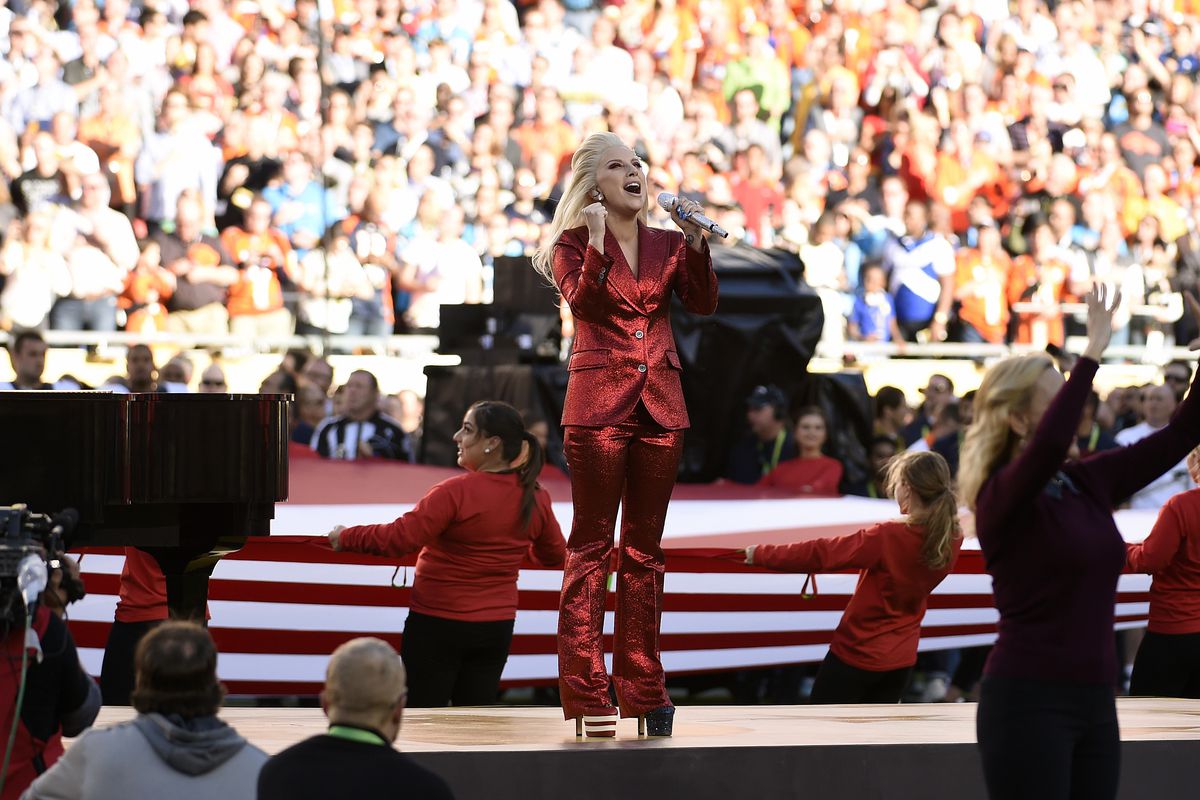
[(101, 251), (44, 182), (880, 452), (769, 440), (36, 275), (176, 746), (873, 317), (811, 472), (310, 411), (891, 415), (362, 431), (202, 269), (939, 392), (212, 380), (265, 262), (278, 382), (364, 697), (27, 354), (177, 371), (921, 265), (981, 288), (302, 207), (175, 159), (319, 373), (1092, 437), (1158, 405), (147, 288)]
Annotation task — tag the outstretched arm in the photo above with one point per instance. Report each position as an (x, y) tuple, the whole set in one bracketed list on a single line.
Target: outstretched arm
[(861, 550), (408, 534)]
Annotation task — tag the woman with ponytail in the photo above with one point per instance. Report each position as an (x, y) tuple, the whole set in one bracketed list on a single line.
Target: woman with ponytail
[(1047, 718), (902, 562), (624, 418), (472, 532)]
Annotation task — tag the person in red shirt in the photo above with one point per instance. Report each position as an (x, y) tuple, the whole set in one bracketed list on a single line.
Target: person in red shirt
[(813, 472), (472, 531), (902, 562), (1168, 662)]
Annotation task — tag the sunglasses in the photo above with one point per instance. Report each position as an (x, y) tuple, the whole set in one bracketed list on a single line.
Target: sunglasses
[(212, 383)]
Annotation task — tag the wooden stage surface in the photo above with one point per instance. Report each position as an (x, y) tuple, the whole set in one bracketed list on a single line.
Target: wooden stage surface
[(894, 752)]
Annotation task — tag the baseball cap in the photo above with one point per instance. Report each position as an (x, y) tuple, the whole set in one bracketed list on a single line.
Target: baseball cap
[(769, 395)]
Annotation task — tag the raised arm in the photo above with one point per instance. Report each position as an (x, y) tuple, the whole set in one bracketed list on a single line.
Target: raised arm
[(861, 550), (1024, 477), (581, 272), (408, 534)]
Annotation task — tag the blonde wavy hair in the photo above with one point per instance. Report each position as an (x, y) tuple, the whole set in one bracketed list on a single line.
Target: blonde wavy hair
[(578, 195), (1006, 390), (928, 477)]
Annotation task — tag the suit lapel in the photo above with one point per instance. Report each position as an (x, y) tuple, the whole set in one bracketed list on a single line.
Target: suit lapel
[(651, 254), (621, 276)]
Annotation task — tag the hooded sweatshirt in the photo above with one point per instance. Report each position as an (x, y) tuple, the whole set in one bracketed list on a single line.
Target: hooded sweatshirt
[(155, 756)]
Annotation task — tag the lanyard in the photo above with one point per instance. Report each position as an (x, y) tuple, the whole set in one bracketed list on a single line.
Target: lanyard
[(780, 438), (355, 735), (1093, 438)]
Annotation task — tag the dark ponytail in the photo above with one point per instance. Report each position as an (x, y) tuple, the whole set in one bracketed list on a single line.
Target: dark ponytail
[(494, 418), (528, 473)]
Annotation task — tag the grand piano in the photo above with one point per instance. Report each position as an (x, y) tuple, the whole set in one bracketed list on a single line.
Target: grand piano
[(185, 477)]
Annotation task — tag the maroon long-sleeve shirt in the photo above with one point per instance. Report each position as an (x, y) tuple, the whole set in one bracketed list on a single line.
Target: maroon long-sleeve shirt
[(1050, 543)]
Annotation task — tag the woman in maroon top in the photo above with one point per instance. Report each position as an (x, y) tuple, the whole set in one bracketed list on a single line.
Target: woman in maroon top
[(1168, 662), (1047, 719), (875, 646), (624, 417), (812, 472), (472, 532)]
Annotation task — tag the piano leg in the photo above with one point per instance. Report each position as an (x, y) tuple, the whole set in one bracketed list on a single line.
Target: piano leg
[(187, 582)]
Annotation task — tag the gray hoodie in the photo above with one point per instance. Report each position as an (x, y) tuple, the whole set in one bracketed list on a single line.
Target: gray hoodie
[(155, 756)]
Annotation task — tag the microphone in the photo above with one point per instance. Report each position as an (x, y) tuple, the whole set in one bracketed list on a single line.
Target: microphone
[(669, 202)]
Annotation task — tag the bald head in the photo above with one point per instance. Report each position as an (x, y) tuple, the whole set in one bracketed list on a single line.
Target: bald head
[(365, 686)]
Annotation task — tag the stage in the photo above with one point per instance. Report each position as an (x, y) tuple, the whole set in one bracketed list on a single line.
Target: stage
[(900, 752)]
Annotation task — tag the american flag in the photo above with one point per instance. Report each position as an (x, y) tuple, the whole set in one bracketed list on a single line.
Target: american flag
[(281, 604)]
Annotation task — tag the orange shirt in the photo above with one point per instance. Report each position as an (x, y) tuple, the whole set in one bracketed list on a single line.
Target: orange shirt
[(982, 289), (1171, 553), (558, 138), (956, 184), (143, 593), (1046, 285), (260, 258)]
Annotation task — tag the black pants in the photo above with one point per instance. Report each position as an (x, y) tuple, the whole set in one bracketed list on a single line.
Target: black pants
[(1167, 665), (117, 673), (837, 682), (1048, 741), (450, 662)]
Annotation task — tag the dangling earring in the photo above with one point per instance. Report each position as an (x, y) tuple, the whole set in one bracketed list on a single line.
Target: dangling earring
[(599, 197), (487, 449)]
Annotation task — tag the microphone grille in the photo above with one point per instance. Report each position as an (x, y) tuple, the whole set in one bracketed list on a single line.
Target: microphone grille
[(666, 201)]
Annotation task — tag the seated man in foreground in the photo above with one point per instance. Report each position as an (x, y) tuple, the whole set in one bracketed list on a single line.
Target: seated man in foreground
[(176, 747), (364, 695)]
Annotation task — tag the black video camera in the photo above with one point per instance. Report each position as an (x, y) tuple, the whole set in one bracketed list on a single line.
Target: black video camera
[(24, 533)]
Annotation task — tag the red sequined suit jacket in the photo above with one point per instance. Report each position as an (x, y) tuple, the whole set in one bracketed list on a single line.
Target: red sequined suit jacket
[(624, 349)]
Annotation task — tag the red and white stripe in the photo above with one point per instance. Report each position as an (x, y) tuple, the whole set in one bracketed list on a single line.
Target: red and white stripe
[(283, 603)]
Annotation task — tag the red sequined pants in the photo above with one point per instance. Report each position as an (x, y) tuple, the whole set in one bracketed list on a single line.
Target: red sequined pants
[(633, 463)]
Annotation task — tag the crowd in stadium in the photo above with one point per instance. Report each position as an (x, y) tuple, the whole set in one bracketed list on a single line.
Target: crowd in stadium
[(944, 169)]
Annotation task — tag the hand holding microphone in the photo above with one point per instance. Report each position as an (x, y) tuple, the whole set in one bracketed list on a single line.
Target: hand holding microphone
[(687, 212)]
